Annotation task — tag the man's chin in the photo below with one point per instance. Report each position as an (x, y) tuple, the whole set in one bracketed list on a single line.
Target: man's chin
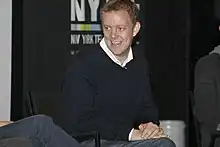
[(115, 48), (117, 53)]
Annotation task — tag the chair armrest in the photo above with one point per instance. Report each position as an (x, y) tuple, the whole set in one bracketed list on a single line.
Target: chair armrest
[(88, 136)]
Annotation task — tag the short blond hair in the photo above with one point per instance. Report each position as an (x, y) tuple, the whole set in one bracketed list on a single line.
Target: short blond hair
[(127, 5)]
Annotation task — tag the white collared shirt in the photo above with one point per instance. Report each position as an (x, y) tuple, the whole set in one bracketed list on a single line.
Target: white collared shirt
[(112, 56)]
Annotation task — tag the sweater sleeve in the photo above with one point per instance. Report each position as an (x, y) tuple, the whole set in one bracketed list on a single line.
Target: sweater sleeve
[(148, 111), (78, 98)]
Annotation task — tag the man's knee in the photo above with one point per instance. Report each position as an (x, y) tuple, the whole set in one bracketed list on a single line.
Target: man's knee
[(166, 142), (41, 119)]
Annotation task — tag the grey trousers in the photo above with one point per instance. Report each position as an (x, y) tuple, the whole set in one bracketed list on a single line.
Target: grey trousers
[(206, 130), (41, 130), (16, 142), (162, 142)]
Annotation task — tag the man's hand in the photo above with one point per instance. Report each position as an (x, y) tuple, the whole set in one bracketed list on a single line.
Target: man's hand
[(150, 130), (136, 135), (147, 131)]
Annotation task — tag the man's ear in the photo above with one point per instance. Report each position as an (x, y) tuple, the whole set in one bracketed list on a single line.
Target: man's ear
[(136, 28)]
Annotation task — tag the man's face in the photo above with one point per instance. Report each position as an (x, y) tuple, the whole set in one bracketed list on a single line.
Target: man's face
[(119, 31)]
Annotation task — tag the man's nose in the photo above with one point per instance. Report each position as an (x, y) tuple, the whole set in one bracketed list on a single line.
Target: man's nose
[(113, 33)]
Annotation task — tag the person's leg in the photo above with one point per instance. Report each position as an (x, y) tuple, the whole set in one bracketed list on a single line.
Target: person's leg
[(39, 128), (16, 142), (161, 142)]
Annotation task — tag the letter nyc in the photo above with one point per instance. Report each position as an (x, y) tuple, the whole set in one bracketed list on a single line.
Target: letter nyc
[(78, 9)]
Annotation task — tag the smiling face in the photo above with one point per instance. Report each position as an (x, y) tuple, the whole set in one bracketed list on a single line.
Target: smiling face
[(119, 31)]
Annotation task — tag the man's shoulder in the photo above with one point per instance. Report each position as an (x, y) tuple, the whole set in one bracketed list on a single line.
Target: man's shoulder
[(85, 56), (86, 52), (208, 64), (209, 60)]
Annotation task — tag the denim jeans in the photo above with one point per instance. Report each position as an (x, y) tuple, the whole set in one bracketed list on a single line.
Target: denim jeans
[(41, 130), (16, 142), (161, 142)]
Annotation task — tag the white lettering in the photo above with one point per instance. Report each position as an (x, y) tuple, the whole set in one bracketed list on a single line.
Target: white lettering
[(76, 11), (94, 4), (73, 52), (87, 39), (75, 39), (98, 38)]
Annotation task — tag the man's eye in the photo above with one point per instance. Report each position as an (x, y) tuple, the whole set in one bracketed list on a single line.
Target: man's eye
[(107, 28), (121, 29)]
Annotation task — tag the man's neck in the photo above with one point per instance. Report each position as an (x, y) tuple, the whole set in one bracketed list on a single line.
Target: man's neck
[(121, 60), (123, 56)]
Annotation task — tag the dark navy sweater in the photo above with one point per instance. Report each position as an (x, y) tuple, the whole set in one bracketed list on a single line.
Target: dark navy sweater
[(102, 96)]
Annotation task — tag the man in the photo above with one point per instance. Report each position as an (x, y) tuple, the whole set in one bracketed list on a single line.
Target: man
[(35, 131), (207, 91), (207, 94), (107, 86)]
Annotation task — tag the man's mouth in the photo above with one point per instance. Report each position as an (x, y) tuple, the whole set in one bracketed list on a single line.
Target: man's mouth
[(117, 43)]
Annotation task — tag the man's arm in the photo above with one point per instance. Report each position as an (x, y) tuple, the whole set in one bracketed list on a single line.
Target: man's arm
[(206, 91), (147, 123), (148, 111), (78, 99)]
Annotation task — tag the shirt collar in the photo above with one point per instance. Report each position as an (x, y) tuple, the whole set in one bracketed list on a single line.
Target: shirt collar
[(112, 56)]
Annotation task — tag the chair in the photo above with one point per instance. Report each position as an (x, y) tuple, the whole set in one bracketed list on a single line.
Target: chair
[(214, 136), (47, 103)]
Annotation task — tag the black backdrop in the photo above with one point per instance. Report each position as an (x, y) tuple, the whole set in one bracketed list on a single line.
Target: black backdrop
[(46, 49)]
